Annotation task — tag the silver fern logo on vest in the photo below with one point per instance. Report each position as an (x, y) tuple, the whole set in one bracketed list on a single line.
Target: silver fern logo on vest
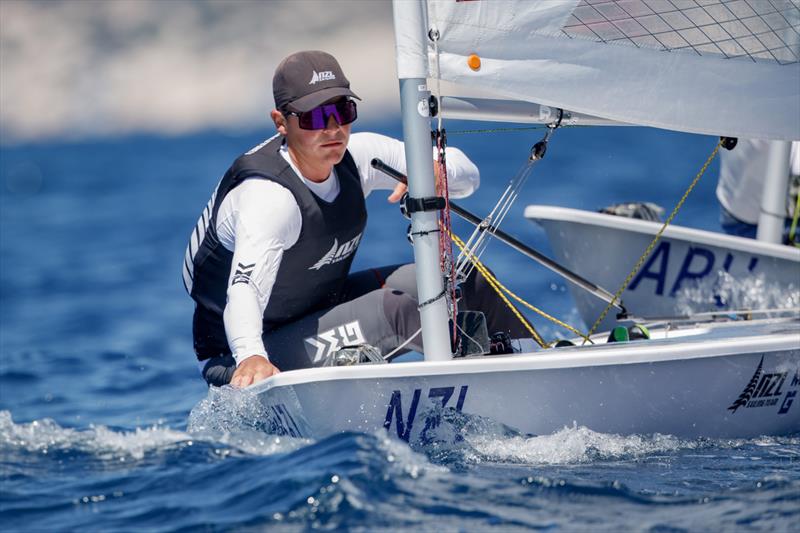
[(337, 253)]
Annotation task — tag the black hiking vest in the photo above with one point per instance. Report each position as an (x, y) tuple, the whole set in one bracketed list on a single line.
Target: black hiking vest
[(311, 273)]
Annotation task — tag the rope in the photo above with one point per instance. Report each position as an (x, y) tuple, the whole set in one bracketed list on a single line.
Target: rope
[(793, 228), (499, 288), (447, 262), (400, 347), (655, 240), (478, 241), (502, 130), (505, 130)]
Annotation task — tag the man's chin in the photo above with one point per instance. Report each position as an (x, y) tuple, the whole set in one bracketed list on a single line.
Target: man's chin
[(334, 154)]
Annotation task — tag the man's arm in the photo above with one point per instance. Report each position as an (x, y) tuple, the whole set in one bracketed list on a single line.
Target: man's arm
[(463, 177), (257, 221)]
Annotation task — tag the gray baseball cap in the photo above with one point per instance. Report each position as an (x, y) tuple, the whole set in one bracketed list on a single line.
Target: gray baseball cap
[(307, 79)]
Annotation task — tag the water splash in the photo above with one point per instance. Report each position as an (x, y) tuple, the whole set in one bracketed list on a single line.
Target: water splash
[(237, 418), (572, 445), (725, 291), (461, 440)]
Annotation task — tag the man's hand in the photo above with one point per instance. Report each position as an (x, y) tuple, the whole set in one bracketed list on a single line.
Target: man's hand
[(398, 193), (402, 188), (252, 370)]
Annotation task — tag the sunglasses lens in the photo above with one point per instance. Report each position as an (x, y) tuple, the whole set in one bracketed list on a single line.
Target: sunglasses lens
[(347, 112), (312, 120), (343, 112)]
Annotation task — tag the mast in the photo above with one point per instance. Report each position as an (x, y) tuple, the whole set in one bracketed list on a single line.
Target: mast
[(412, 68), (773, 197)]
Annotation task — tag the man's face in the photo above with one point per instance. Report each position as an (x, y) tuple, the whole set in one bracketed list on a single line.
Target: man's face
[(315, 147)]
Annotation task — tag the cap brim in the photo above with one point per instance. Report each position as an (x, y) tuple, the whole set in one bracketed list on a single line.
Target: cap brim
[(310, 101)]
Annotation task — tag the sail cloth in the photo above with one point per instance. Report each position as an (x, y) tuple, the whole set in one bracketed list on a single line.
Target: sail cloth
[(719, 67)]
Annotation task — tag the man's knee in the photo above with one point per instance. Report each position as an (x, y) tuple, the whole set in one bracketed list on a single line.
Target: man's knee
[(219, 370), (401, 311), (397, 302)]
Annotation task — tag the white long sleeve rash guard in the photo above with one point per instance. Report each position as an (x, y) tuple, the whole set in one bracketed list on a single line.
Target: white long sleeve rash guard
[(259, 219)]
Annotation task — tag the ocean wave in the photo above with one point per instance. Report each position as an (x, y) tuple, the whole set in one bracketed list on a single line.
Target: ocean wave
[(356, 480), (228, 421), (46, 436)]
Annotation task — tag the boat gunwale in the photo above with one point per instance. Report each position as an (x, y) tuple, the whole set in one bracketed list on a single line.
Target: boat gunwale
[(544, 213), (634, 352)]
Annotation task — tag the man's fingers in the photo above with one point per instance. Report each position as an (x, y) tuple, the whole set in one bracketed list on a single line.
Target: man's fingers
[(398, 192), (241, 382), (253, 372), (265, 373)]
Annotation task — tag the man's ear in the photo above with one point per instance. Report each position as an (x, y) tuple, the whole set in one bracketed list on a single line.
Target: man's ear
[(279, 120)]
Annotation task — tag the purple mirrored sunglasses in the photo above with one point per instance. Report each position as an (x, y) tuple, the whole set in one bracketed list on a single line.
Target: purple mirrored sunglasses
[(343, 112)]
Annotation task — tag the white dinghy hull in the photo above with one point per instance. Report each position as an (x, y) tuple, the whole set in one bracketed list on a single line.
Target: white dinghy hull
[(604, 248), (724, 380)]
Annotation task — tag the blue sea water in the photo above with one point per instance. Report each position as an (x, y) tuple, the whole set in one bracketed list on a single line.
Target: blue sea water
[(97, 378)]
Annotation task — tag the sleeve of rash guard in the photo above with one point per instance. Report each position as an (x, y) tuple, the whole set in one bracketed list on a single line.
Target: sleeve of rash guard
[(265, 220), (463, 177)]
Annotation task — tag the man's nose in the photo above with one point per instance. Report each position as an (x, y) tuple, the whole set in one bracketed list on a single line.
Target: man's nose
[(332, 123)]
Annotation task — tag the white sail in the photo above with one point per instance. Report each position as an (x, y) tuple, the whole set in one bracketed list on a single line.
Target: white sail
[(721, 67)]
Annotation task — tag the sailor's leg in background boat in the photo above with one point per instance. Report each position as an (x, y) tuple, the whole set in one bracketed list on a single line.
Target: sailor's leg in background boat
[(384, 318), (733, 226)]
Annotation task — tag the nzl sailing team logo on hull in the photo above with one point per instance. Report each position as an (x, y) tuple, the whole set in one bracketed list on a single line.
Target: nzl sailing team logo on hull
[(765, 389)]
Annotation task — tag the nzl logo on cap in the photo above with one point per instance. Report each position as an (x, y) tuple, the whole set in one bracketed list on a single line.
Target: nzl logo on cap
[(321, 76)]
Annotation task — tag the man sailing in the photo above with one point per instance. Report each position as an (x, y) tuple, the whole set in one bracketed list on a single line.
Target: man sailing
[(268, 263)]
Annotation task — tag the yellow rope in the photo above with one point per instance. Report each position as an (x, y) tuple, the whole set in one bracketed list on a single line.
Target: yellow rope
[(793, 228), (499, 288), (655, 240)]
